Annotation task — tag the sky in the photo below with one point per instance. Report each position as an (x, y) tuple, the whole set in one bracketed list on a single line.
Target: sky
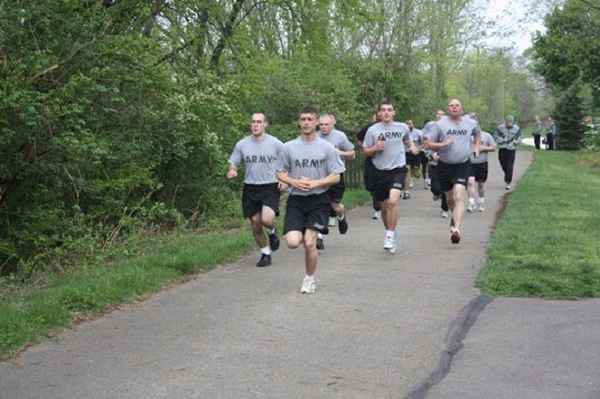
[(514, 16)]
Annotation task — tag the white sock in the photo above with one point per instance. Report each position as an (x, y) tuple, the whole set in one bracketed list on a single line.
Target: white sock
[(389, 234), (341, 217), (481, 200), (311, 277), (319, 235), (271, 231), (266, 250), (471, 201)]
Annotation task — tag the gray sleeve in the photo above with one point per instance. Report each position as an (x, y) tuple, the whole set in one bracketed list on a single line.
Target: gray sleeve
[(346, 144), (334, 166), (433, 133), (369, 139), (236, 155), (283, 160), (406, 139), (490, 140)]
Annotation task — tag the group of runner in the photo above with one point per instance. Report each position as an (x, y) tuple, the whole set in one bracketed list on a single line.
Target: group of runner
[(450, 154)]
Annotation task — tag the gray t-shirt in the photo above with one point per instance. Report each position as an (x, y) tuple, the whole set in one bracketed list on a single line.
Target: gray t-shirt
[(397, 139), (259, 158), (487, 140), (416, 136), (461, 132), (315, 159), (338, 140)]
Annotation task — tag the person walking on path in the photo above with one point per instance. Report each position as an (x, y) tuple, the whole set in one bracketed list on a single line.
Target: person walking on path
[(507, 136), (259, 153), (345, 150), (368, 168), (454, 137), (309, 165), (386, 142), (550, 133), (538, 130), (479, 173)]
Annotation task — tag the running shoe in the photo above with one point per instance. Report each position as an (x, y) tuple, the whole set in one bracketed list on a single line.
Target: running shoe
[(444, 214), (265, 260), (273, 241), (320, 244), (389, 243), (376, 215), (507, 187), (471, 206), (343, 225), (406, 195), (309, 285), (454, 236)]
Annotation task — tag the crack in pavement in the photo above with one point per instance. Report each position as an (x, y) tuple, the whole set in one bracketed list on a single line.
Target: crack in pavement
[(457, 332)]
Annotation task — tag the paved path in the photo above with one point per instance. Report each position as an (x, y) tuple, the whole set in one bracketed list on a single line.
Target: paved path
[(375, 328)]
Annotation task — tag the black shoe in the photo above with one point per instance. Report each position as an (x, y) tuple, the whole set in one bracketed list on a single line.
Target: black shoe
[(320, 244), (265, 260), (273, 242), (406, 195), (342, 225)]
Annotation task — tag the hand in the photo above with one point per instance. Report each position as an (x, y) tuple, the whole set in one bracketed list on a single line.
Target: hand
[(449, 141), (380, 145), (231, 173), (305, 184), (282, 186)]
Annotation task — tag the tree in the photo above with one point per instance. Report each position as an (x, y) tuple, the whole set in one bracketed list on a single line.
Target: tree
[(569, 120)]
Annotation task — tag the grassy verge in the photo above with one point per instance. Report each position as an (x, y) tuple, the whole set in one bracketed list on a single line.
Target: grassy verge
[(30, 314), (546, 243)]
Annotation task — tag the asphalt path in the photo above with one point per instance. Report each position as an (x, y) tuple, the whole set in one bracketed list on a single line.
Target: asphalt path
[(375, 328)]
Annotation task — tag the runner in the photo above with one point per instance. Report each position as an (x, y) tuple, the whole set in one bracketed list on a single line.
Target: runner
[(433, 158), (451, 138), (345, 150), (309, 165), (368, 166), (508, 136), (412, 160), (479, 173), (260, 197), (386, 143)]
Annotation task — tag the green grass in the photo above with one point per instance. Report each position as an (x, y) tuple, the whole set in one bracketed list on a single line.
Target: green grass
[(547, 242), (30, 313)]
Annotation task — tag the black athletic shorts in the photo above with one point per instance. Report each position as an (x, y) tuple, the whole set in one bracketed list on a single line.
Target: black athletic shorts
[(423, 157), (336, 192), (412, 160), (385, 180), (255, 196), (450, 174), (307, 212), (480, 171)]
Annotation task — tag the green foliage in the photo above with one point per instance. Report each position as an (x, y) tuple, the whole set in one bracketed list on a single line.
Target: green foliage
[(569, 120)]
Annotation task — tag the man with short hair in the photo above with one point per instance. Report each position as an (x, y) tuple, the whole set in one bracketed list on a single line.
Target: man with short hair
[(309, 165), (259, 153), (479, 173), (507, 136), (386, 143), (451, 138)]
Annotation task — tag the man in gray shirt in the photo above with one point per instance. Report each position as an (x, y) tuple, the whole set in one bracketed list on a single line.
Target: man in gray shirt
[(345, 150), (507, 136), (451, 137), (479, 173), (413, 161), (259, 153), (309, 165), (387, 142)]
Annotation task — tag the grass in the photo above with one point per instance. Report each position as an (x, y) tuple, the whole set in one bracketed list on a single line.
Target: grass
[(546, 243), (29, 314)]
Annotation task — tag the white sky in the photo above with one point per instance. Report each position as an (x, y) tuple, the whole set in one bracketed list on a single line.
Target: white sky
[(516, 17)]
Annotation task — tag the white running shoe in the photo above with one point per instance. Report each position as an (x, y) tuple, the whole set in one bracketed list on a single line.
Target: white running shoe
[(444, 214), (389, 243), (332, 221), (410, 185), (507, 187), (480, 206), (427, 183), (309, 285), (376, 215), (471, 206)]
